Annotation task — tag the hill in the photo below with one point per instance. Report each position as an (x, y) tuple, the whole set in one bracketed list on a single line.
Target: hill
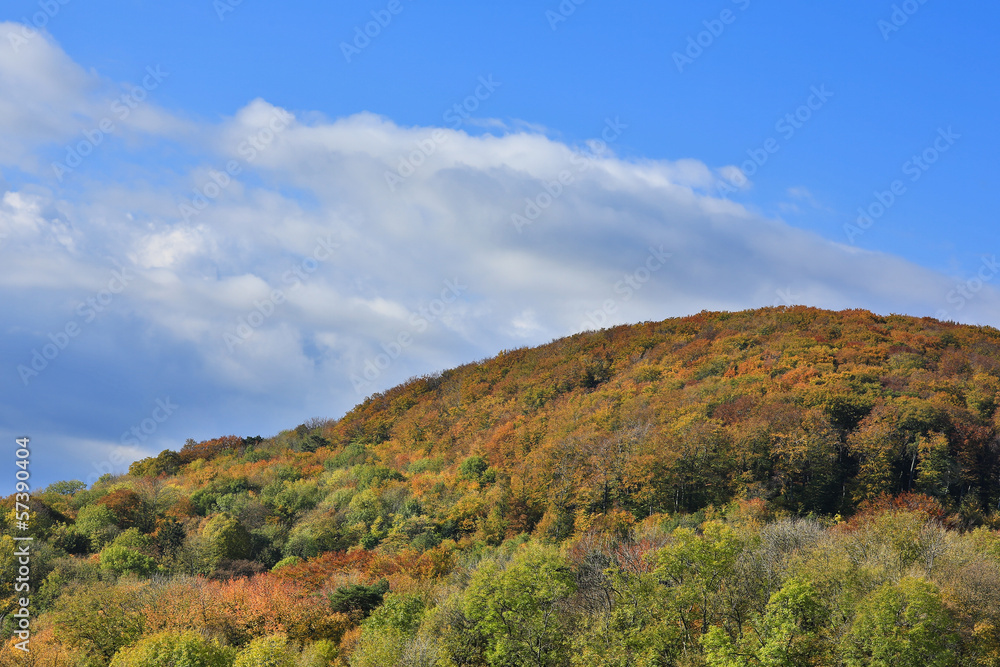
[(595, 451)]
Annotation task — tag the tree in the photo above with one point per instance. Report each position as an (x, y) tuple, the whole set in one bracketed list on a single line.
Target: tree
[(123, 560), (477, 469), (700, 572), (520, 609), (285, 562), (129, 509), (98, 619), (167, 462), (789, 634), (168, 648), (902, 625), (936, 470), (637, 626), (226, 539), (358, 599), (389, 632), (270, 651), (65, 488), (98, 523)]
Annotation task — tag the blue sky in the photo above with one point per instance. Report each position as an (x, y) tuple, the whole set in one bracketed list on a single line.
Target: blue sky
[(282, 215)]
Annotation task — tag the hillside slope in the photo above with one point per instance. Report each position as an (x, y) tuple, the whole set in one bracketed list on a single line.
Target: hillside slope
[(639, 450), (808, 409)]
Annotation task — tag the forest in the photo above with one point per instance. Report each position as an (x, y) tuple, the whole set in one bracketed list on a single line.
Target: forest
[(775, 487)]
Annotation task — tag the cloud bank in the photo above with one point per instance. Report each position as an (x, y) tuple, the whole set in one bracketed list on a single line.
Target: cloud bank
[(277, 264)]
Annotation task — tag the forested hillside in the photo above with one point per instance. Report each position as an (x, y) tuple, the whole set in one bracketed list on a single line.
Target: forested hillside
[(785, 486)]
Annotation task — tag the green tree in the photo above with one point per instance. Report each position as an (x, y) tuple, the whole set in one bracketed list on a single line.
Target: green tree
[(477, 469), (389, 631), (936, 471), (99, 524), (521, 610), (902, 625), (634, 627), (700, 573), (286, 562), (318, 654), (226, 539), (398, 611), (170, 649), (168, 462), (789, 634), (271, 651), (65, 488), (8, 563), (122, 560), (98, 619), (358, 599)]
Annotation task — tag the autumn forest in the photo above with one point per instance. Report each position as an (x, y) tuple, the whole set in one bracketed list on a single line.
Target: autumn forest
[(776, 487)]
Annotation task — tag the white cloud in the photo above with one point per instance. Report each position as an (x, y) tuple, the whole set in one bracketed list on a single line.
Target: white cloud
[(438, 260), (50, 102), (165, 249)]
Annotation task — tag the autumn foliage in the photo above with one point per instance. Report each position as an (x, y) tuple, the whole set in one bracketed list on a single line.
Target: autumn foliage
[(765, 487)]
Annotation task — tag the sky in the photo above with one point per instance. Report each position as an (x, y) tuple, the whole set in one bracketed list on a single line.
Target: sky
[(231, 216)]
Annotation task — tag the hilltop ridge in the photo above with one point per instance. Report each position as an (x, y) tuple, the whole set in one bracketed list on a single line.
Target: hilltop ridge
[(702, 464)]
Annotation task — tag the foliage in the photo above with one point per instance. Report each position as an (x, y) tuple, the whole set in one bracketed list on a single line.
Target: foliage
[(123, 560), (771, 487), (477, 469), (789, 634), (290, 560), (358, 598), (98, 524), (65, 488), (902, 625), (270, 651), (129, 509), (98, 619), (165, 463), (187, 649), (226, 539), (516, 609)]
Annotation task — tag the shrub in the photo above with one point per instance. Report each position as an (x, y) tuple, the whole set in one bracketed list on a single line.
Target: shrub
[(123, 560), (358, 598), (226, 539), (291, 560), (97, 523), (272, 651), (187, 649)]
